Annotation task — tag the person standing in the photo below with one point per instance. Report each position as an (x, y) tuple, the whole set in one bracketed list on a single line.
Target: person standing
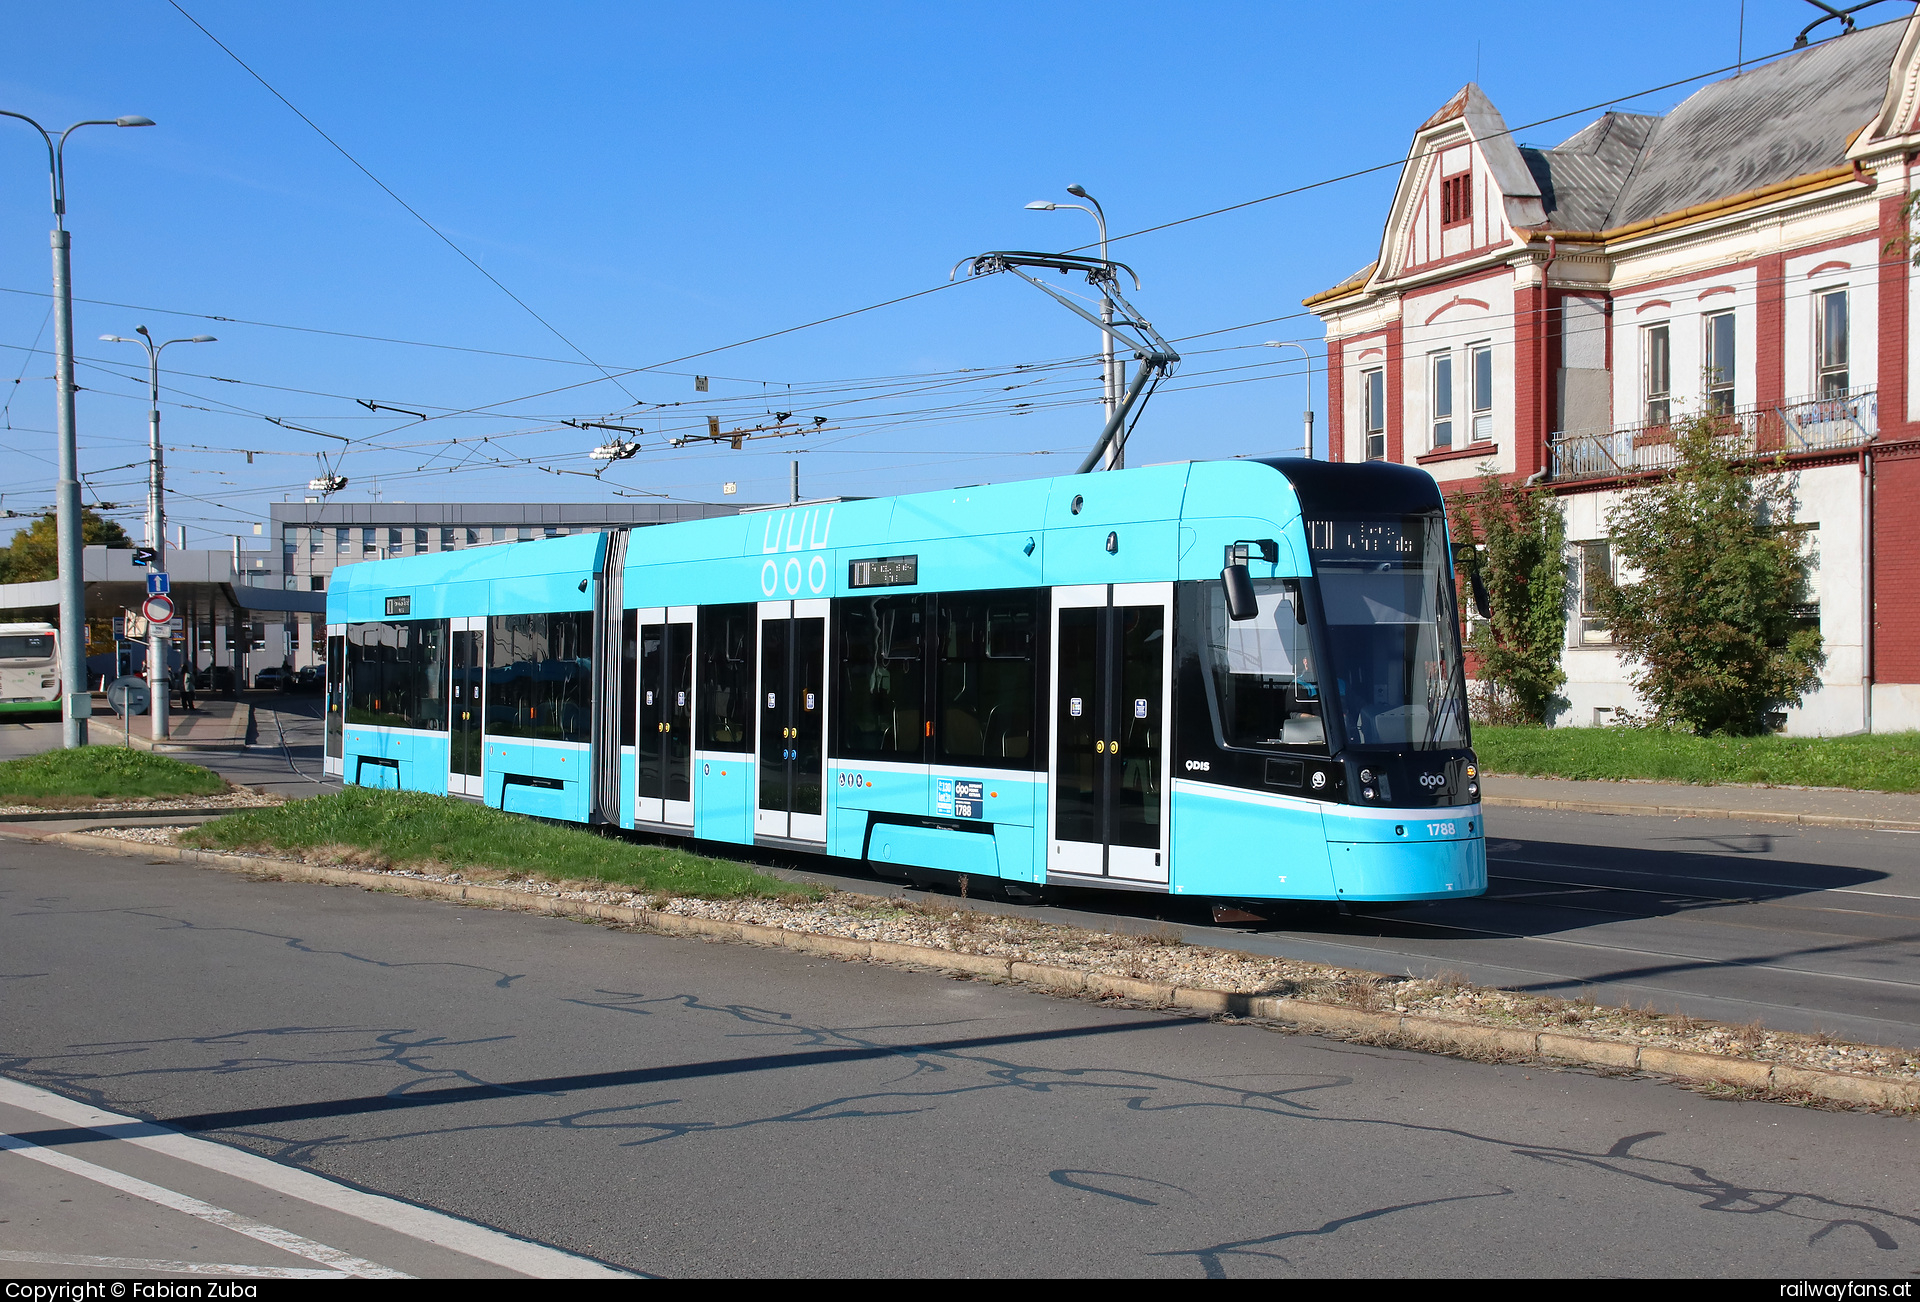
[(187, 684)]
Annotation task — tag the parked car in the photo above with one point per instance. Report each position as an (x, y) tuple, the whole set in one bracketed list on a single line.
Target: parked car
[(308, 679), (267, 679)]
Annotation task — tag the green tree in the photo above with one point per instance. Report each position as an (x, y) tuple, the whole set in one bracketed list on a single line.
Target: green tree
[(34, 555), (1523, 535), (1709, 623)]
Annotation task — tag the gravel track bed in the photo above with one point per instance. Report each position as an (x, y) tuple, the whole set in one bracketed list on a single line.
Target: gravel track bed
[(156, 805)]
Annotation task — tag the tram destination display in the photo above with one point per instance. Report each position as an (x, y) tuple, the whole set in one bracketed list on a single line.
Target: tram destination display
[(1395, 540), (884, 572)]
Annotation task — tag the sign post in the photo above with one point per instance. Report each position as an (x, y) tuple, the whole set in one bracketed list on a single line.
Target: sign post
[(128, 696)]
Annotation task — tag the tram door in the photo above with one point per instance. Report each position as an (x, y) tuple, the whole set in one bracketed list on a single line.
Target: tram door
[(663, 742), (1112, 663), (791, 799), (465, 751), (333, 762)]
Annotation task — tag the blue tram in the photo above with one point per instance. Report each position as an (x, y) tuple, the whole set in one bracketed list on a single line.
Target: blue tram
[(1235, 679)]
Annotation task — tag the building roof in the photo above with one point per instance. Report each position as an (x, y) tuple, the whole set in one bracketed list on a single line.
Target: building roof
[(1776, 122)]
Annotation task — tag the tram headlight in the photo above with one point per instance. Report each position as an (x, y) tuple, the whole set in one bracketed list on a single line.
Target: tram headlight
[(1473, 771), (1473, 788), (1366, 793)]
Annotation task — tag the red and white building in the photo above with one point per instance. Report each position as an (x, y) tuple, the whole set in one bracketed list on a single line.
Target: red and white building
[(1547, 312)]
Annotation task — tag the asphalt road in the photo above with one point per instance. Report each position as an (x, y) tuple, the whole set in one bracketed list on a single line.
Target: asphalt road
[(689, 1108), (1800, 928)]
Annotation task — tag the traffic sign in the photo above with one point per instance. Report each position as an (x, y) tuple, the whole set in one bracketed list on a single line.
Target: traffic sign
[(158, 608), (119, 627), (129, 695), (144, 556), (157, 583)]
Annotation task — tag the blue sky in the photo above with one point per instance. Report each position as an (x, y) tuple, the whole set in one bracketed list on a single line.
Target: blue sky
[(659, 180)]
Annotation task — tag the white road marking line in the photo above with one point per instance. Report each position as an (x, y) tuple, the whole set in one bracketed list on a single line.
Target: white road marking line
[(464, 1237), (148, 1266), (272, 1235)]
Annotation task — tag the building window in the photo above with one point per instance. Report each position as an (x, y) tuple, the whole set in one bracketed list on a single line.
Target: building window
[(1720, 364), (1375, 383), (317, 540), (343, 539), (1456, 199), (317, 582), (446, 540), (1596, 564), (289, 539), (1656, 356), (1830, 343), (419, 541), (367, 545), (1441, 401), (499, 533), (1480, 369), (396, 542)]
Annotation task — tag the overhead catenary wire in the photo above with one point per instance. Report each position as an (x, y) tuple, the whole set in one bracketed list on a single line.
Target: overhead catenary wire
[(1398, 162), (390, 192)]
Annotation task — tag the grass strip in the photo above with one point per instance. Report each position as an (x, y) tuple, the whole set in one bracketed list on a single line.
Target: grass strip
[(409, 829), (1880, 762), (104, 772)]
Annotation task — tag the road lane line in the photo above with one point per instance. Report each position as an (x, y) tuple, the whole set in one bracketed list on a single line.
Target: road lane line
[(492, 1246), (149, 1266), (271, 1235)]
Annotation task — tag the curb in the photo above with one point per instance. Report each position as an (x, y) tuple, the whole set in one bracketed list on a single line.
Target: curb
[(1426, 1033), (1687, 811)]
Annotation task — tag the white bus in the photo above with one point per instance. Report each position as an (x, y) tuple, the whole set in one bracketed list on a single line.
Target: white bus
[(29, 668)]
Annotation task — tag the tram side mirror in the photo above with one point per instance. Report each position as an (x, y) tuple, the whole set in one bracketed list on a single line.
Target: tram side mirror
[(1241, 603), (1481, 602)]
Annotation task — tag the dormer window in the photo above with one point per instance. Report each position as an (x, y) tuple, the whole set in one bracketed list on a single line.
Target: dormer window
[(1456, 198)]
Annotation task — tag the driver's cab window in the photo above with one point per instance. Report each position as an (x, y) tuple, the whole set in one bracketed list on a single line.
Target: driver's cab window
[(1266, 692)]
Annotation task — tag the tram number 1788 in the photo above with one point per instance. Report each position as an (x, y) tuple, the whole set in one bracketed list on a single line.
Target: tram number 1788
[(1440, 829)]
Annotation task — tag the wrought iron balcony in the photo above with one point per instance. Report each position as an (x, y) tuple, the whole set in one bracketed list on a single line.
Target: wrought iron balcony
[(1843, 420)]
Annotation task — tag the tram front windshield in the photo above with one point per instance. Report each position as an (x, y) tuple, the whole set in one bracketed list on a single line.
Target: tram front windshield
[(1393, 652)]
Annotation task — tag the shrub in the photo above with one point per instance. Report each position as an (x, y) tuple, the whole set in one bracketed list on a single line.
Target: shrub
[(1709, 624), (1524, 535)]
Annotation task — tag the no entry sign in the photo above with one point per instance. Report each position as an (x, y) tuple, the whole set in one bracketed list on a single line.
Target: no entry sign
[(158, 608)]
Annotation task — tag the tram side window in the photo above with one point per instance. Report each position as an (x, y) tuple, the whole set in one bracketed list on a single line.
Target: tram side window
[(1266, 692), (724, 677), (882, 698), (629, 662), (540, 676), (397, 674), (987, 677)]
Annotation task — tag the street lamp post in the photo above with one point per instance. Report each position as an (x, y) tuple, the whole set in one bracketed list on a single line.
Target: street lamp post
[(1307, 415), (1112, 372), (156, 515), (76, 704)]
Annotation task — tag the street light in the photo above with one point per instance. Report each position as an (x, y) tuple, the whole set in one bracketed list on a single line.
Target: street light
[(76, 704), (156, 515), (1112, 372), (1308, 414)]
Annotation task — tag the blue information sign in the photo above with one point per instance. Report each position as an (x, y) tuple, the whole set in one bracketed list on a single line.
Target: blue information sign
[(157, 584)]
